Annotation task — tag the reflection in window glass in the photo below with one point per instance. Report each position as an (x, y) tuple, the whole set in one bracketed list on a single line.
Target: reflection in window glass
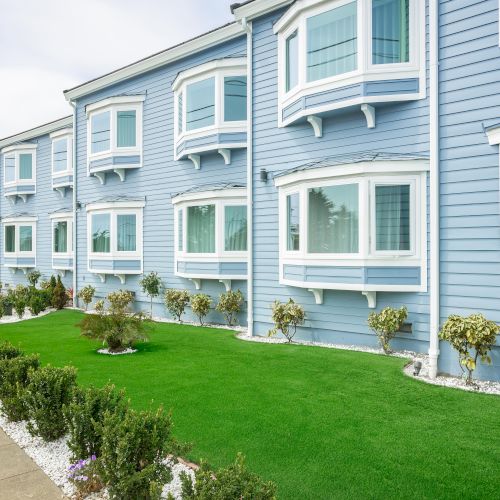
[(126, 129), (25, 239), (10, 238), (126, 232), (61, 237), (201, 229), (200, 106), (292, 222), (235, 228), (100, 132), (101, 233), (10, 168), (60, 154), (292, 61), (26, 166), (235, 98)]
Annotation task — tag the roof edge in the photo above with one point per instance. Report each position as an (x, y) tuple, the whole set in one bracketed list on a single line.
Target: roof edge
[(256, 8)]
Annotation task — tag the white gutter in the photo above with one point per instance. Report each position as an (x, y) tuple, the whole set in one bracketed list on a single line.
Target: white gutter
[(75, 233), (434, 186)]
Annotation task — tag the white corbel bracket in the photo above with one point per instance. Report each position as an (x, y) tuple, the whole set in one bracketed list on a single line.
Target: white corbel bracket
[(226, 154), (371, 297), (23, 197), (317, 124), (122, 278), (101, 176), (102, 277), (196, 159), (196, 282), (318, 294), (120, 172), (61, 190), (227, 284), (62, 272), (369, 112), (13, 270)]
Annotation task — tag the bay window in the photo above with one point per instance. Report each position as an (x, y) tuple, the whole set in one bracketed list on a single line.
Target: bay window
[(19, 241), (62, 160), (19, 162)]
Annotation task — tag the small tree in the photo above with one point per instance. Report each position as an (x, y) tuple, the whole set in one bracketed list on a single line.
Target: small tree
[(386, 323), (19, 298), (59, 295), (472, 337), (176, 302), (200, 305), (86, 294), (151, 285), (286, 318), (33, 277), (230, 304)]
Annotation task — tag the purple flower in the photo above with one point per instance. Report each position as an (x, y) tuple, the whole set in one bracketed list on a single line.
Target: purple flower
[(93, 457)]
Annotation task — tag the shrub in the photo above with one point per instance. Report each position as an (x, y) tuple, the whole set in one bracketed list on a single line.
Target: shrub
[(117, 326), (151, 285), (466, 334), (13, 380), (48, 390), (8, 351), (37, 301), (85, 476), (84, 416), (59, 295), (176, 302), (19, 297), (86, 294), (229, 305), (286, 318), (33, 277), (3, 301), (229, 483), (386, 323), (200, 305), (132, 453)]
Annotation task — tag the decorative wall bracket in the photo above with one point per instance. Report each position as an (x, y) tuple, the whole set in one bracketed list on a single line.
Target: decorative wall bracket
[(317, 125), (227, 284), (196, 159), (226, 154), (196, 282), (318, 294), (371, 297), (369, 112)]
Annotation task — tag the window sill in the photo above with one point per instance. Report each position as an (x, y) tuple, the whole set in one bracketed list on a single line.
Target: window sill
[(115, 265), (117, 162), (62, 261), (22, 190), (19, 261), (61, 181)]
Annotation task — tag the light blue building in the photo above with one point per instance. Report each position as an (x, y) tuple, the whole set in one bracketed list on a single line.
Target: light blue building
[(340, 152)]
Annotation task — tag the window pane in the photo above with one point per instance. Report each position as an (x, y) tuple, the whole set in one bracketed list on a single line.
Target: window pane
[(10, 169), (25, 166), (100, 125), (180, 229), (201, 229), (333, 219), (390, 31), (200, 106), (126, 237), (332, 42), (25, 238), (100, 232), (235, 98), (180, 111), (292, 222), (10, 238), (392, 207), (292, 61), (61, 237), (235, 228), (60, 155), (126, 129)]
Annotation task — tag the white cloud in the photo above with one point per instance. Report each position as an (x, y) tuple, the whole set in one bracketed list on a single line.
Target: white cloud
[(53, 45)]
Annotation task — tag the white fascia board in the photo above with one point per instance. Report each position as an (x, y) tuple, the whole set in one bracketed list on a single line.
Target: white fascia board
[(226, 63), (218, 194), (61, 215), (161, 59), (258, 8), (493, 135), (362, 168), (19, 218), (47, 128), (291, 14), (110, 101), (61, 133), (19, 147), (109, 205)]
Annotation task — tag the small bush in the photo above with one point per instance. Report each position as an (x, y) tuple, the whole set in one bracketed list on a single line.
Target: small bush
[(472, 337), (49, 390), (176, 302), (200, 305), (86, 294), (3, 303), (13, 381), (19, 298), (85, 476), (59, 295), (233, 482), (84, 417), (286, 318), (33, 277), (386, 323), (151, 285), (8, 351), (230, 304), (132, 453), (37, 301)]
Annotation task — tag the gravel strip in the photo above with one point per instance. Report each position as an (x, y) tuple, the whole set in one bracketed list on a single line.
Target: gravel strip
[(109, 353), (27, 315)]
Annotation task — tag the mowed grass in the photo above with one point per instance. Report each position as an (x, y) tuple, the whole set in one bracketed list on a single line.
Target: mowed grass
[(321, 423)]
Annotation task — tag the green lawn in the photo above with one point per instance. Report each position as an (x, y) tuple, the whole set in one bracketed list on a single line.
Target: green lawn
[(321, 423)]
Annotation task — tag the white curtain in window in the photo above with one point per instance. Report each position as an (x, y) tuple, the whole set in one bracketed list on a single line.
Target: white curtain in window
[(201, 229), (101, 233), (25, 238), (235, 228), (126, 129), (126, 237), (10, 238), (61, 237), (292, 222)]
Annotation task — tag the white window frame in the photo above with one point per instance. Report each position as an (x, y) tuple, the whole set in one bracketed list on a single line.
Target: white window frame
[(63, 217), (295, 19), (17, 222), (64, 134), (113, 105), (16, 151)]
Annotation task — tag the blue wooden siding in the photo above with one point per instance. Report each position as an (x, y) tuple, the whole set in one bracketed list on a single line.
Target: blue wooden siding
[(114, 162), (212, 268), (469, 169)]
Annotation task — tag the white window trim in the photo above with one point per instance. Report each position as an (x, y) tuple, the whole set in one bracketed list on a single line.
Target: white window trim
[(66, 134), (295, 19), (63, 217), (493, 135), (218, 69), (17, 222), (113, 105), (16, 151)]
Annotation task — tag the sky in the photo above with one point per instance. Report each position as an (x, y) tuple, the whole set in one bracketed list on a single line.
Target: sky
[(52, 45)]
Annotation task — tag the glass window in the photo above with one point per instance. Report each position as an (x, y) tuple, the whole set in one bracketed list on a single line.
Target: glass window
[(26, 166), (60, 155), (235, 98), (10, 238), (292, 61), (200, 106), (292, 222), (10, 168), (235, 228), (100, 232), (61, 237), (180, 111), (126, 236), (392, 215), (125, 129), (25, 239), (390, 31), (201, 229), (333, 221), (332, 42), (100, 132), (180, 229)]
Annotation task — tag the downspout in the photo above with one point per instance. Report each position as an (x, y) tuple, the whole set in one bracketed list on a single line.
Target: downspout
[(434, 186), (247, 26), (75, 246)]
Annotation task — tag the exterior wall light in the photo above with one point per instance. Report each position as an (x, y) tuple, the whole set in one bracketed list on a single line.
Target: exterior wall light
[(263, 175)]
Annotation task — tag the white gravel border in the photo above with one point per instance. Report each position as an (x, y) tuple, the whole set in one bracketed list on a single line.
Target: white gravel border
[(109, 353), (27, 315)]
